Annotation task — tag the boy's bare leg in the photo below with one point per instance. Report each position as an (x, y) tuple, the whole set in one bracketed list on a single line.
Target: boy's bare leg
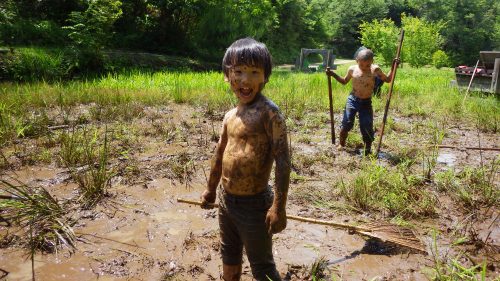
[(231, 272), (342, 139)]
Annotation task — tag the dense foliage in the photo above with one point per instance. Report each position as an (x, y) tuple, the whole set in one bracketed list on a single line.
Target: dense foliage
[(204, 28)]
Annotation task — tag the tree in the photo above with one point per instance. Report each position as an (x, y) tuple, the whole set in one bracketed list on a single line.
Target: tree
[(381, 37), (422, 39), (90, 32), (470, 25), (345, 18)]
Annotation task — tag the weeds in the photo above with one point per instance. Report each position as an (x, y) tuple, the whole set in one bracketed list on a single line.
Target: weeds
[(87, 161), (399, 193), (36, 210), (181, 167), (451, 269)]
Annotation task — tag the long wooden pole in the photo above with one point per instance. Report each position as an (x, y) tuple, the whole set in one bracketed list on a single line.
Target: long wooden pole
[(330, 96), (297, 218), (398, 236), (391, 86)]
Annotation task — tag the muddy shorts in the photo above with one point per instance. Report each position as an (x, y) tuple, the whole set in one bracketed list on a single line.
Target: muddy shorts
[(242, 224), (364, 108)]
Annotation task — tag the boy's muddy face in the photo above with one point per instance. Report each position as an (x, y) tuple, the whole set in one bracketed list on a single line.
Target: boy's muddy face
[(364, 65), (246, 82)]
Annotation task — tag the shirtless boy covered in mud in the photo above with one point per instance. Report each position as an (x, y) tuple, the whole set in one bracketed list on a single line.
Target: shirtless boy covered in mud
[(253, 136), (363, 82)]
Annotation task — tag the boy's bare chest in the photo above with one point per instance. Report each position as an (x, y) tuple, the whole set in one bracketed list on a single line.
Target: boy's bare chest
[(363, 77), (246, 126)]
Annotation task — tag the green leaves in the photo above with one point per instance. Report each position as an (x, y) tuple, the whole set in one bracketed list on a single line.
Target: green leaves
[(422, 39)]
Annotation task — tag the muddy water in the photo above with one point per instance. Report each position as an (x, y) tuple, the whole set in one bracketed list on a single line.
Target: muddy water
[(142, 233)]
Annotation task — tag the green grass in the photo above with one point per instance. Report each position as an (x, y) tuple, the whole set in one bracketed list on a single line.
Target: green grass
[(38, 215), (451, 268), (397, 192), (418, 92), (86, 156)]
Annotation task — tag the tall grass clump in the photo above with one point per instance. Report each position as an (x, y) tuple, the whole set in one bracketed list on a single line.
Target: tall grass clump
[(86, 157), (395, 192), (38, 215), (33, 64), (450, 269)]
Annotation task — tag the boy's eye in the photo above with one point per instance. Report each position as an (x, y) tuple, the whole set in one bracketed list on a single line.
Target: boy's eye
[(255, 72)]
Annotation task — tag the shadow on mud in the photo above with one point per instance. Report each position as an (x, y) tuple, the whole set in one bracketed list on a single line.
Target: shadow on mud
[(372, 247)]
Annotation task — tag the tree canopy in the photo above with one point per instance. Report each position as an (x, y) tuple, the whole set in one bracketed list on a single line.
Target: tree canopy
[(204, 28)]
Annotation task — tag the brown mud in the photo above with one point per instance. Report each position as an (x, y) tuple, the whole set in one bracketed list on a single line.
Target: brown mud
[(141, 233)]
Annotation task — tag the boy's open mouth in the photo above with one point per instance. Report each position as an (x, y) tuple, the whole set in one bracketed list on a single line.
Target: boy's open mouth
[(245, 92)]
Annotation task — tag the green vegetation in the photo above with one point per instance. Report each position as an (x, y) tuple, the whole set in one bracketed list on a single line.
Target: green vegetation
[(448, 269), (397, 192), (202, 29), (40, 216), (421, 41)]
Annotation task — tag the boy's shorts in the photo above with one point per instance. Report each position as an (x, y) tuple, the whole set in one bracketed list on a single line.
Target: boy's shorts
[(242, 224)]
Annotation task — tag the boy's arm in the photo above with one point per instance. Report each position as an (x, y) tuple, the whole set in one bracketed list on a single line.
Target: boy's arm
[(386, 78), (339, 79), (210, 193), (276, 216)]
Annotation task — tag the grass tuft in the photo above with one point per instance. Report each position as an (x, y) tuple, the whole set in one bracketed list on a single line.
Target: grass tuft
[(35, 210)]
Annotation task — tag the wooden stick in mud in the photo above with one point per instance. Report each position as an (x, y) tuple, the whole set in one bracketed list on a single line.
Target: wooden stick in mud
[(470, 147), (330, 96), (382, 231), (470, 82), (391, 86)]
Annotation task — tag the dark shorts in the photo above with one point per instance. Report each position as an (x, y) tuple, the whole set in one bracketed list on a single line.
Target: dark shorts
[(242, 224)]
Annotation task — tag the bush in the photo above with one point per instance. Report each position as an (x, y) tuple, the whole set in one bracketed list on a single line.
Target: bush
[(381, 37), (440, 59), (422, 39), (30, 64)]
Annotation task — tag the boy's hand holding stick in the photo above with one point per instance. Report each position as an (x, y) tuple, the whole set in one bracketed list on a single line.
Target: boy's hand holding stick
[(394, 67), (380, 230)]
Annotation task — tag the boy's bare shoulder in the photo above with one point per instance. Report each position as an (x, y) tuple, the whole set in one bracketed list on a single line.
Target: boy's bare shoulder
[(271, 108), (352, 67), (375, 68), (229, 114)]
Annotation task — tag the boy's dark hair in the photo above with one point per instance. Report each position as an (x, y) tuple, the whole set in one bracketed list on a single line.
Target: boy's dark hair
[(365, 54), (247, 51)]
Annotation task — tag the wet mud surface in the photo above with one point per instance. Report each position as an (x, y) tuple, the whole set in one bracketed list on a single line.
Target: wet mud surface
[(140, 232)]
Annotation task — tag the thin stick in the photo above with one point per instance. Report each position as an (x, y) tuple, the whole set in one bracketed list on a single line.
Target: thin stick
[(330, 96), (469, 147), (32, 252), (382, 231), (470, 82), (297, 218), (108, 239), (391, 86)]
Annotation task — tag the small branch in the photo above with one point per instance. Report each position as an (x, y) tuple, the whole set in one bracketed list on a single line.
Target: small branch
[(469, 147)]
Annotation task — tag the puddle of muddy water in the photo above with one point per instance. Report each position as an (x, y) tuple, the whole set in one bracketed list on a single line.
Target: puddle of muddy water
[(447, 158)]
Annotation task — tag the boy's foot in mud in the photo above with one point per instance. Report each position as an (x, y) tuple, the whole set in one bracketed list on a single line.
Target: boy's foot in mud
[(340, 147)]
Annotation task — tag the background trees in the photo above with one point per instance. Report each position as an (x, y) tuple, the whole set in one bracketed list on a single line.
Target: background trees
[(204, 28)]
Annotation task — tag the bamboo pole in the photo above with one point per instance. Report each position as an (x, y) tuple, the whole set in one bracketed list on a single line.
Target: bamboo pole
[(330, 96), (297, 218), (391, 86), (383, 231)]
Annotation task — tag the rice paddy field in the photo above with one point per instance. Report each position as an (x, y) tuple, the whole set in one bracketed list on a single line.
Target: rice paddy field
[(90, 172)]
